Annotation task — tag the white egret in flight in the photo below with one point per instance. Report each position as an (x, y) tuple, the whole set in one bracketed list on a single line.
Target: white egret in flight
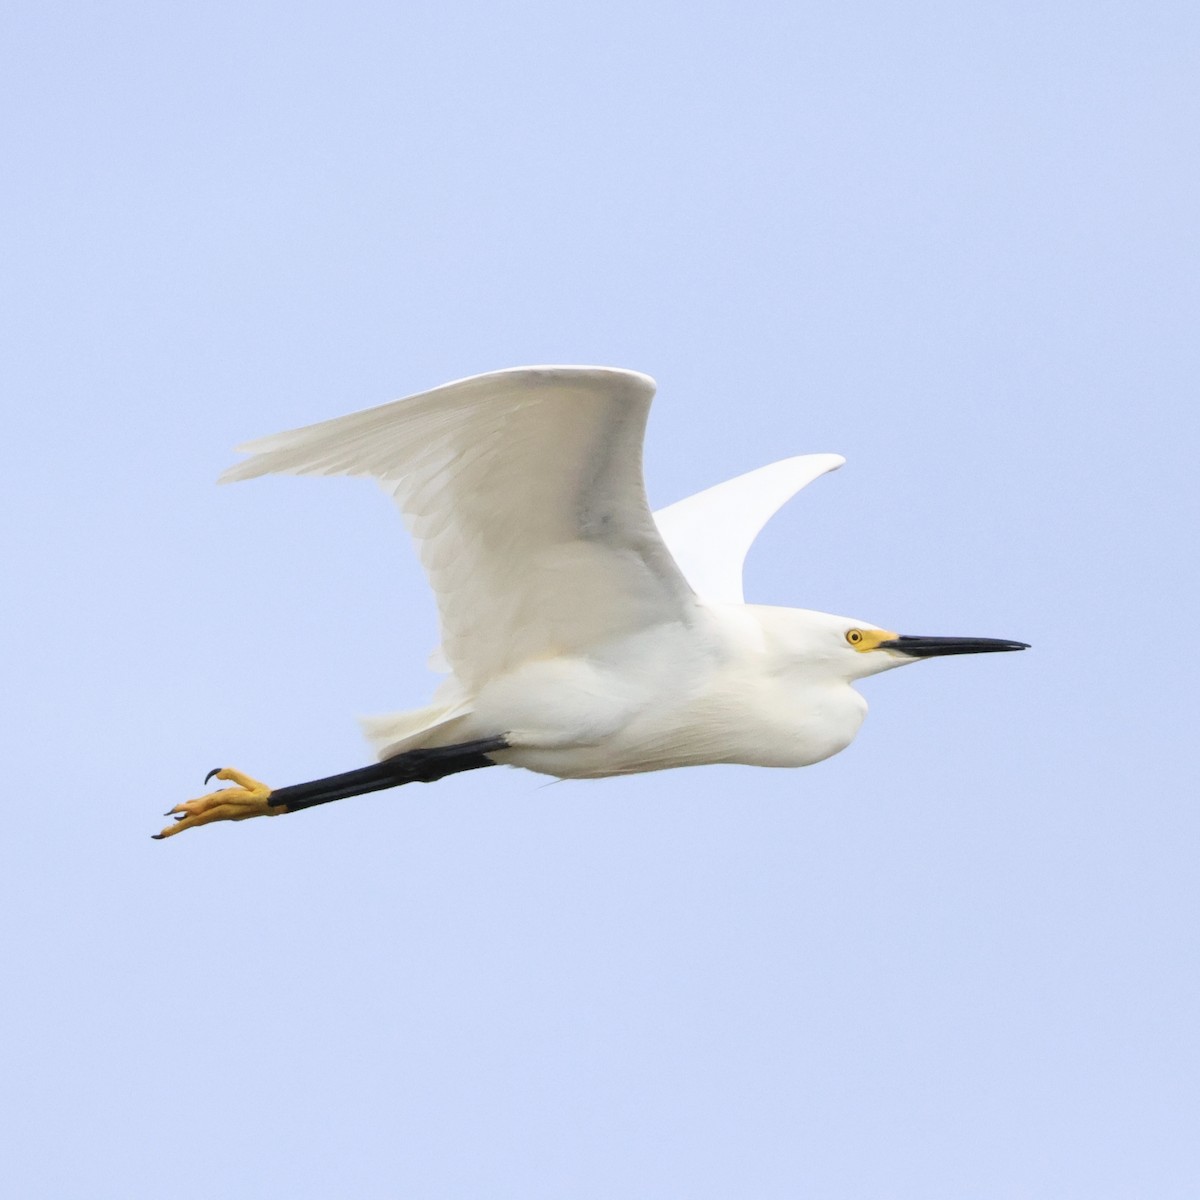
[(584, 636)]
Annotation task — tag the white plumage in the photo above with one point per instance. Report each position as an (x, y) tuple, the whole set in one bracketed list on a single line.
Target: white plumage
[(709, 534), (591, 639)]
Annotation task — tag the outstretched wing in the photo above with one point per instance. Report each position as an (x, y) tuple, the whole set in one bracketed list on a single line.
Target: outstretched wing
[(524, 492), (710, 533)]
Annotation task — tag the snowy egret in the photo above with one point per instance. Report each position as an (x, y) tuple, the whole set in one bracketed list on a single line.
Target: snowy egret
[(583, 635)]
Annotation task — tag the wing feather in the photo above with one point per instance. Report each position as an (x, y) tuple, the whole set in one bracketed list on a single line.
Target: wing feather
[(710, 533), (524, 492)]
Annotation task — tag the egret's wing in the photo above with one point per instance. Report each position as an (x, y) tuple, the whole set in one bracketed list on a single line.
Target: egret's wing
[(709, 534), (524, 492)]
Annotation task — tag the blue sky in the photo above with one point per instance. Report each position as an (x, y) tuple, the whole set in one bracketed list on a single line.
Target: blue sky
[(954, 242)]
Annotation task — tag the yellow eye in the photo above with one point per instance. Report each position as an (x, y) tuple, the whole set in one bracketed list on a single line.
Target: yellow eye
[(855, 637)]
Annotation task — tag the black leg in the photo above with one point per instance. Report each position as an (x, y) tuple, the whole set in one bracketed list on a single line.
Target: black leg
[(417, 766)]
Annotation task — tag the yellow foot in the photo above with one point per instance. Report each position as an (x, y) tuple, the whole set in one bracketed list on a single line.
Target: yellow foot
[(248, 799)]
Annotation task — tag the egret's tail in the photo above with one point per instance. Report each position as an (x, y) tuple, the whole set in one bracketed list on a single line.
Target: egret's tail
[(394, 733)]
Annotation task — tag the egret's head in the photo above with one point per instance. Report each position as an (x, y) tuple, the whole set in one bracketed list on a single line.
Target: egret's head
[(855, 649)]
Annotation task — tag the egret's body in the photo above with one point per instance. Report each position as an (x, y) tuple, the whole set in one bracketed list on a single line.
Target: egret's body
[(723, 688), (583, 636)]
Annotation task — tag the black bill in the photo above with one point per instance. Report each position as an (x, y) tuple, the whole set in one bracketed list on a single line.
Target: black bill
[(932, 647)]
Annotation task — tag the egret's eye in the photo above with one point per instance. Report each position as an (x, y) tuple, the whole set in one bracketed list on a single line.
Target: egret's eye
[(855, 637)]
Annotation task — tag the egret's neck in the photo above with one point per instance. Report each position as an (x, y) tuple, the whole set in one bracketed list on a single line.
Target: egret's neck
[(787, 700)]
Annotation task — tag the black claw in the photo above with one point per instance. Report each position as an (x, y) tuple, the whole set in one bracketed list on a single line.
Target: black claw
[(158, 837), (212, 773)]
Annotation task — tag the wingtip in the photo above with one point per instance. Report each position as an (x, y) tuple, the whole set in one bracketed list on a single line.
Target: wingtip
[(825, 463), (246, 469)]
